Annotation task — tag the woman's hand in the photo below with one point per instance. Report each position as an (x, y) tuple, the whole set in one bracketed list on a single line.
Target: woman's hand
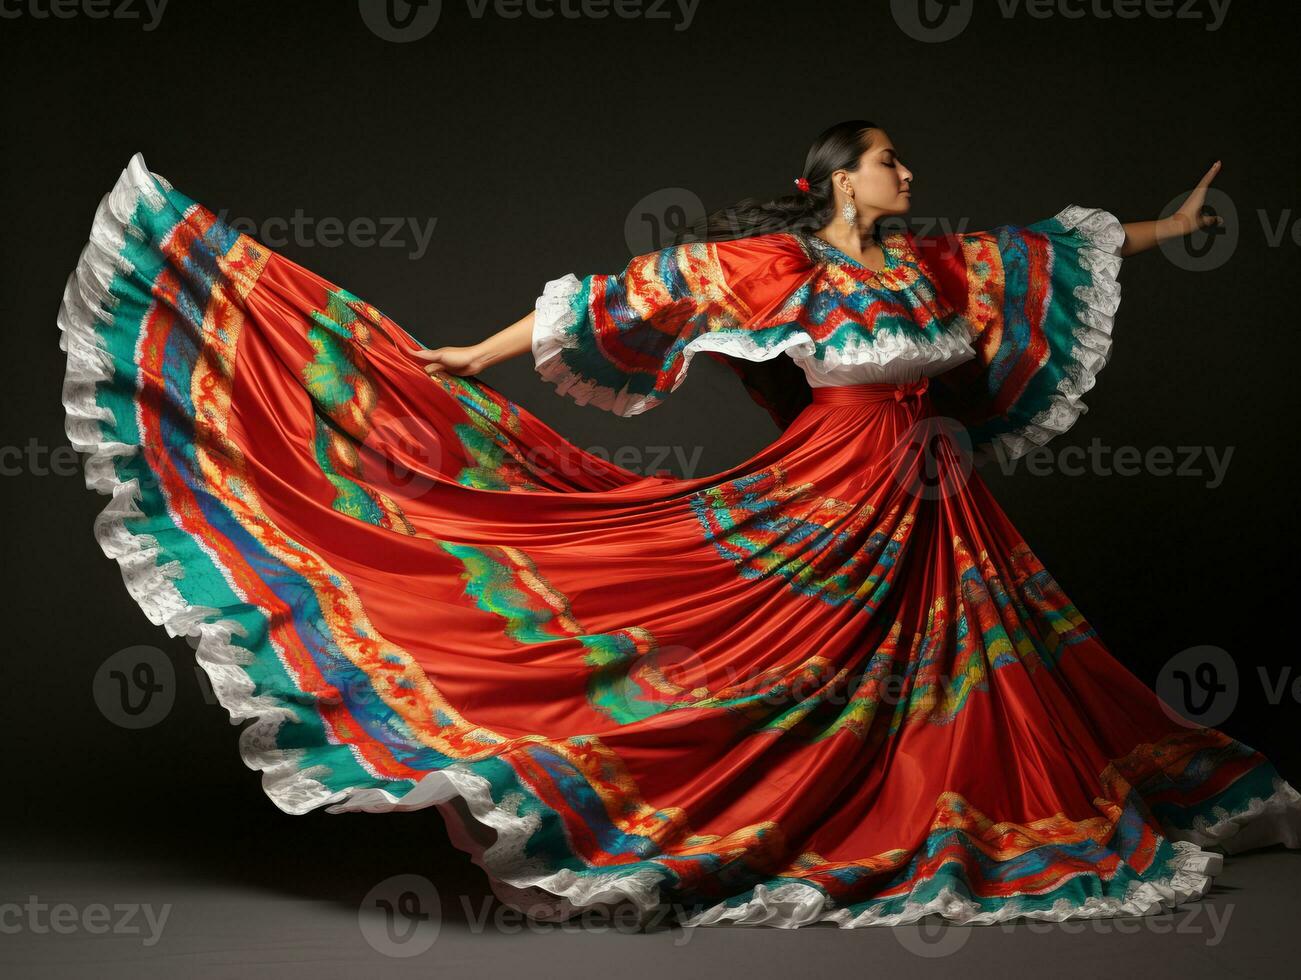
[(1189, 217), (461, 361), (512, 341), (1142, 235)]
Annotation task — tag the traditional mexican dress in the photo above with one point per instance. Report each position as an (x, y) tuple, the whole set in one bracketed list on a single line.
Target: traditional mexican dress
[(830, 683)]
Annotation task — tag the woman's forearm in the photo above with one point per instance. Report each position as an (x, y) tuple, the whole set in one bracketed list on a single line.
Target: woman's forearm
[(509, 342), (504, 344), (1142, 235)]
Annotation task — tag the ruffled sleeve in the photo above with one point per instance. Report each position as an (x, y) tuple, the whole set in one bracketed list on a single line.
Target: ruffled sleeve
[(1038, 302), (623, 341)]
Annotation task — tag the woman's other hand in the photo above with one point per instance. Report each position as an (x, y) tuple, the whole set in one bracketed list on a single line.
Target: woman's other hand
[(461, 361)]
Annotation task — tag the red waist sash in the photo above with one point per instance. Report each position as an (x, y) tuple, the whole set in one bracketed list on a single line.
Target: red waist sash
[(867, 394)]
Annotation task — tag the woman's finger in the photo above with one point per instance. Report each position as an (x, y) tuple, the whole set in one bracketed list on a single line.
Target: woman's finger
[(1210, 175)]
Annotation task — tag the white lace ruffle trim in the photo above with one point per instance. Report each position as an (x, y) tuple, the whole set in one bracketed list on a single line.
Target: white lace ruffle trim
[(87, 309), (495, 835), (1104, 235), (1276, 820), (890, 356), (895, 355)]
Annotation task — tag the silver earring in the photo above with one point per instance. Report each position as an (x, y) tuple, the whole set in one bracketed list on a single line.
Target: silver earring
[(849, 211)]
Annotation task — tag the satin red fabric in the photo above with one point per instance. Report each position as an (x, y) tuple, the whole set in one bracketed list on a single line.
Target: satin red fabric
[(857, 469)]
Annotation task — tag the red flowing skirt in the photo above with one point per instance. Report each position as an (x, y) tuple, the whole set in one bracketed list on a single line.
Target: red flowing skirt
[(831, 682)]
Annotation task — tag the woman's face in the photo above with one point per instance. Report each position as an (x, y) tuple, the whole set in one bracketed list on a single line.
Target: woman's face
[(881, 183)]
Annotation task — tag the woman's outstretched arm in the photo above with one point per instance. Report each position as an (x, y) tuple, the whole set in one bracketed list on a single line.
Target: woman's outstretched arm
[(1142, 235), (504, 344), (518, 337)]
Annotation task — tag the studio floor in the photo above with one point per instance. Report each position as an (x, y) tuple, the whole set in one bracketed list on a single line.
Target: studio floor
[(74, 907)]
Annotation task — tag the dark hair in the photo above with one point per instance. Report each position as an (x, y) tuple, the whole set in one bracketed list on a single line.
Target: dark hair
[(836, 148)]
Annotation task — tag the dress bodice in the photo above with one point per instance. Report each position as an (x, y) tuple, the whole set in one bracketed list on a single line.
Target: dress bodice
[(1014, 322), (900, 361)]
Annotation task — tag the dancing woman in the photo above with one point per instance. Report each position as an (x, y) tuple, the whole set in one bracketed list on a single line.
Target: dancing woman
[(830, 683)]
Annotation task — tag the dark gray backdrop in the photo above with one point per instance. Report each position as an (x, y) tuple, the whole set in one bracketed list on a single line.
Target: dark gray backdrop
[(531, 141)]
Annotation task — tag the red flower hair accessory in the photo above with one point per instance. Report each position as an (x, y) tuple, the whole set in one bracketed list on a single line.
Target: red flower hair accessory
[(802, 183)]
